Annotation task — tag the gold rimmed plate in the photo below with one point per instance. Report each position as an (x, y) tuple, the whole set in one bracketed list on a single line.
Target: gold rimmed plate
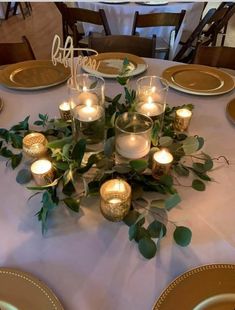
[(33, 75), (230, 110), (209, 287), (1, 107), (198, 80), (21, 290), (110, 65)]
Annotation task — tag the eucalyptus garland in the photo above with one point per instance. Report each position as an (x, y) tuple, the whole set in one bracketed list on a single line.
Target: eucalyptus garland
[(147, 219)]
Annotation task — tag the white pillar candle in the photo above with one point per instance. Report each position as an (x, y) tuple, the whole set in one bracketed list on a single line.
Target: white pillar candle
[(115, 199), (150, 108), (42, 172), (182, 119), (85, 95), (162, 161), (133, 146)]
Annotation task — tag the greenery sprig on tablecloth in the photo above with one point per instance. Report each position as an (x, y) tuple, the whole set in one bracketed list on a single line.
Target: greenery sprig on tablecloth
[(147, 219)]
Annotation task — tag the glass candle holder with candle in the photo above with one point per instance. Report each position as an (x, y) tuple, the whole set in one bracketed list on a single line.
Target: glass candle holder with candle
[(132, 137), (161, 163), (42, 172), (86, 93), (35, 144), (115, 199), (182, 119), (151, 97), (65, 111)]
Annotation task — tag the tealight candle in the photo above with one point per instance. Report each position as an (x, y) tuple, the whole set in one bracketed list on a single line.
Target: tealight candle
[(182, 119), (87, 112), (115, 199), (65, 111), (133, 146), (162, 161), (150, 108), (42, 172), (34, 144), (85, 95)]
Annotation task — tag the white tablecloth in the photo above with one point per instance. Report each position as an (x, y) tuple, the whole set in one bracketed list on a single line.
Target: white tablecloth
[(120, 17), (88, 261)]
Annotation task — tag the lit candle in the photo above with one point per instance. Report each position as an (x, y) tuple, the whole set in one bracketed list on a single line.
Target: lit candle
[(162, 161), (42, 172), (115, 199), (133, 146), (34, 144), (87, 112), (65, 111), (85, 95), (182, 119), (150, 108)]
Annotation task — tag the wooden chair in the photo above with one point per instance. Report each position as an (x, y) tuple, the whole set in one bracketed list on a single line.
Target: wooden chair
[(15, 52), (207, 31), (72, 16), (215, 56), (158, 20), (24, 11), (139, 46)]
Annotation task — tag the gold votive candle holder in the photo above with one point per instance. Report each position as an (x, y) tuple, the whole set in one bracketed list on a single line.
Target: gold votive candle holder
[(42, 172), (115, 199), (182, 119), (162, 161), (35, 144), (65, 111)]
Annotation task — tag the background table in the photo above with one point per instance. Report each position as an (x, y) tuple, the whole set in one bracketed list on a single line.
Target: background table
[(121, 16), (88, 261)]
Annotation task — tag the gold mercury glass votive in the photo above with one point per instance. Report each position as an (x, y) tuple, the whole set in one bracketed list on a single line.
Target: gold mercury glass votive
[(34, 144), (182, 119), (115, 199), (65, 111), (162, 161), (42, 172)]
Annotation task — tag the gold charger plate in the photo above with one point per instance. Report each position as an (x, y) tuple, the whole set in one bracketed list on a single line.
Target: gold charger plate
[(1, 104), (21, 291), (210, 287), (198, 80), (230, 110), (33, 75), (110, 64)]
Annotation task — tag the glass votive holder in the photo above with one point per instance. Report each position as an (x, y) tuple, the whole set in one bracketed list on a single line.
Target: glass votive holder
[(151, 97), (42, 172), (132, 137), (115, 199), (65, 111), (35, 144), (162, 161), (86, 94), (182, 119)]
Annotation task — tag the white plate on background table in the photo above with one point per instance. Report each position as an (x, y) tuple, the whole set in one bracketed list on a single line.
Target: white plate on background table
[(157, 2), (230, 111), (33, 75), (198, 80), (209, 287), (110, 65), (20, 290), (115, 2)]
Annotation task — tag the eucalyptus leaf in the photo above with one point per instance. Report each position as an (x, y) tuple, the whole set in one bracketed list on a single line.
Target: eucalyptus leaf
[(158, 203), (141, 233), (181, 170), (190, 145), (172, 201), (59, 143), (23, 176), (47, 201), (138, 164), (72, 203), (165, 141), (54, 183), (132, 232), (24, 125), (109, 147), (78, 151), (16, 160), (157, 229), (147, 247), (198, 185), (16, 140), (131, 217), (182, 236), (166, 180)]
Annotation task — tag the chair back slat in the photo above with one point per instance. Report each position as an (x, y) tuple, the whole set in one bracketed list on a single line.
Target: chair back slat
[(143, 47), (16, 52)]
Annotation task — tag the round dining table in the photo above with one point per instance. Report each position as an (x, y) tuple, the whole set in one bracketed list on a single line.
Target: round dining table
[(89, 262)]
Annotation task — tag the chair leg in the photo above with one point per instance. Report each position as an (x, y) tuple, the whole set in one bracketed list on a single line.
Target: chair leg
[(8, 10)]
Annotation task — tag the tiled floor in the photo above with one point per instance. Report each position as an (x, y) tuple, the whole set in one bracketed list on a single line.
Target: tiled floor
[(39, 28)]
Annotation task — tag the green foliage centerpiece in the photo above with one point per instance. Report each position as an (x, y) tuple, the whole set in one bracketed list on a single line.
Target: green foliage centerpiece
[(78, 174)]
